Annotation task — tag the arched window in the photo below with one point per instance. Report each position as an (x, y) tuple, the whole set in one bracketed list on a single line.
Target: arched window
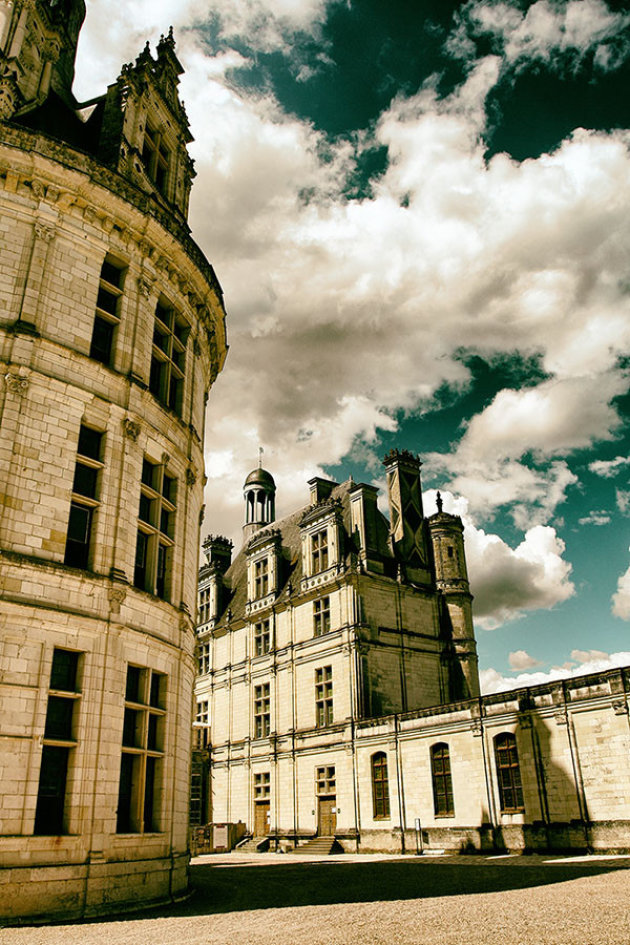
[(442, 783), (508, 773), (380, 786)]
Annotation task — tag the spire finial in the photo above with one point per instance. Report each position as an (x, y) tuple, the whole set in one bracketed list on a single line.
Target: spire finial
[(439, 502), (260, 454)]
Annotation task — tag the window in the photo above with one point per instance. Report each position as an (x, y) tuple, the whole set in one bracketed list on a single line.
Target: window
[(156, 528), (380, 786), (168, 356), (262, 637), (261, 578), (442, 784), (85, 492), (204, 605), (450, 551), (321, 616), (140, 786), (59, 742), (107, 318), (508, 773), (325, 783), (262, 711), (203, 659), (319, 551), (323, 696), (155, 157), (262, 786), (201, 729)]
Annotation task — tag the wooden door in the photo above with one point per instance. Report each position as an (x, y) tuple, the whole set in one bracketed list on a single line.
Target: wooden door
[(261, 821), (326, 816)]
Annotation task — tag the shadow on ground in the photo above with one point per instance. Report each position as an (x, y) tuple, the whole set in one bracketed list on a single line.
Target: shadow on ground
[(226, 888)]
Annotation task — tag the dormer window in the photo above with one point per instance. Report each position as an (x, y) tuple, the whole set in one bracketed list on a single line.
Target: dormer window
[(261, 577), (319, 551), (155, 157)]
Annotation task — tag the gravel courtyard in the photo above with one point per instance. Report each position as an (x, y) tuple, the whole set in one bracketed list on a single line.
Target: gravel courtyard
[(272, 899)]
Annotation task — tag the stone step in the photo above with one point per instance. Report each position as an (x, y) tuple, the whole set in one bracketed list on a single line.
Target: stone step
[(319, 846)]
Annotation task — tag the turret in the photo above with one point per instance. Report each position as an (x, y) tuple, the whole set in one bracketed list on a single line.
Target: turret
[(218, 552), (451, 575), (260, 502)]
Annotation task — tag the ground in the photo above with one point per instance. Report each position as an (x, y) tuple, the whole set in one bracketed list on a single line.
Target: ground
[(272, 899)]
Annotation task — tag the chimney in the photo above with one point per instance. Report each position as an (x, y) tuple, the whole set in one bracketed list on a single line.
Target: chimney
[(364, 516), (407, 525), (321, 489)]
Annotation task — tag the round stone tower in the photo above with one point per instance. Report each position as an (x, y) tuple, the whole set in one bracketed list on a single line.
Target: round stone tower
[(447, 537), (112, 331), (259, 492)]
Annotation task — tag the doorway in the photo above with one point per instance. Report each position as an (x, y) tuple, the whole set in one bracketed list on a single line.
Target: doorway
[(261, 819), (326, 816)]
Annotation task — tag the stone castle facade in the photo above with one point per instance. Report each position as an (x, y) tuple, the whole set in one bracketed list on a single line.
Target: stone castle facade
[(112, 331), (338, 699)]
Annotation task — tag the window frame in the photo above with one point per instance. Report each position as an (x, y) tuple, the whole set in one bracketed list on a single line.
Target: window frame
[(78, 554), (320, 551), (262, 710), (153, 569), (324, 709), (142, 753), (508, 771), (167, 374), (262, 637), (441, 780), (321, 616), (104, 319), (379, 773)]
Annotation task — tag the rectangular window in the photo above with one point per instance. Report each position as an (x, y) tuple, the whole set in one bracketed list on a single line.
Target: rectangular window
[(155, 158), (261, 578), (203, 659), (204, 606), (508, 773), (201, 728), (323, 696), (168, 357), (139, 789), (321, 616), (107, 318), (262, 786), (319, 551), (156, 528), (262, 637), (59, 742), (380, 786), (262, 711), (85, 497), (442, 783), (325, 783)]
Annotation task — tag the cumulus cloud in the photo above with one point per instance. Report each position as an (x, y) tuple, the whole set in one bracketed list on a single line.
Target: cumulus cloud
[(608, 468), (343, 312), (582, 663), (622, 498), (520, 660), (507, 581), (595, 517), (621, 599), (546, 31)]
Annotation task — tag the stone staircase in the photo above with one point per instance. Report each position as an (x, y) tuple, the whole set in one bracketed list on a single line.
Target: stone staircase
[(253, 845), (319, 846)]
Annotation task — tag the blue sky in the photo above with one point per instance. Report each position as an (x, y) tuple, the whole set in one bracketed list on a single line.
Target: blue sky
[(419, 213)]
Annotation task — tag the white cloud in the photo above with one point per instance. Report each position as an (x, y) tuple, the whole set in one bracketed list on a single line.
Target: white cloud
[(622, 498), (547, 29), (621, 599), (342, 312), (609, 467), (595, 518), (521, 660), (507, 582), (595, 662)]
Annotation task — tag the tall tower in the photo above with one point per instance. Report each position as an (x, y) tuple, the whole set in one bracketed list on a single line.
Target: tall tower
[(407, 525), (259, 492), (447, 537), (112, 331)]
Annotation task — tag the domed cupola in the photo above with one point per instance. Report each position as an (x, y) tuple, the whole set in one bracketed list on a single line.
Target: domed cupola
[(260, 501)]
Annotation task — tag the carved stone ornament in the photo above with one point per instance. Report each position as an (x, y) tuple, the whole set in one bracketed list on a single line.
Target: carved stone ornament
[(620, 707), (117, 594), (44, 231), (476, 727), (196, 348), (202, 515), (191, 476), (131, 428), (38, 188), (16, 383)]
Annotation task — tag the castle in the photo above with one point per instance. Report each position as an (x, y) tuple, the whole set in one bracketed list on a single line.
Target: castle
[(112, 331), (338, 698)]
